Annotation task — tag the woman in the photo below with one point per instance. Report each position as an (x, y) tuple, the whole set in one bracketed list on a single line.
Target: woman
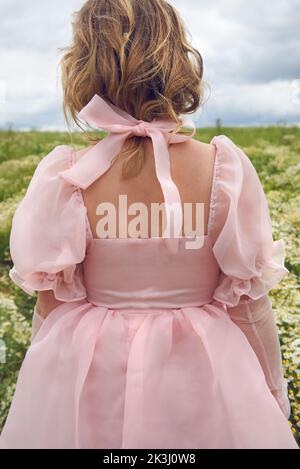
[(145, 341)]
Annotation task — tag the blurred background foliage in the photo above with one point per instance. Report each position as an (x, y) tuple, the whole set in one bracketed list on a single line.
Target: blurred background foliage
[(274, 152)]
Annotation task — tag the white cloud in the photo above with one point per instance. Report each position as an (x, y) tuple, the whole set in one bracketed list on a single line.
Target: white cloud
[(258, 103), (250, 50)]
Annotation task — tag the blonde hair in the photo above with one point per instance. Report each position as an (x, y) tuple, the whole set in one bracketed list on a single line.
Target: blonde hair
[(135, 54)]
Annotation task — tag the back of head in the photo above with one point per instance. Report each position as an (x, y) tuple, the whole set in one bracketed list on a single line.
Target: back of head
[(135, 54)]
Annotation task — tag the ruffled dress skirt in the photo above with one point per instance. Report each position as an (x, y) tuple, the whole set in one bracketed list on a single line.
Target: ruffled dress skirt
[(94, 377)]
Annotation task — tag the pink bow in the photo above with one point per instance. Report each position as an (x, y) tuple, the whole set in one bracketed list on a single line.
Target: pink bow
[(120, 125)]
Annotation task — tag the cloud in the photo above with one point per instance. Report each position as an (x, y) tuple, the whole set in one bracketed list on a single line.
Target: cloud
[(258, 103), (247, 41), (250, 52), (30, 75)]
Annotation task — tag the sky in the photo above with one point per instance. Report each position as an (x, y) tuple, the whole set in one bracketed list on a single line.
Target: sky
[(251, 54)]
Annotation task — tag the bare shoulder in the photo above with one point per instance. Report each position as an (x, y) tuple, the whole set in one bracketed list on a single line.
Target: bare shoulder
[(194, 156)]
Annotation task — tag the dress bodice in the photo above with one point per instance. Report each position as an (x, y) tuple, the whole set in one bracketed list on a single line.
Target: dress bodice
[(143, 273)]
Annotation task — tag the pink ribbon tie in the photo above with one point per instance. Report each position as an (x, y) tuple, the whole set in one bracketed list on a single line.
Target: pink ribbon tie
[(103, 115)]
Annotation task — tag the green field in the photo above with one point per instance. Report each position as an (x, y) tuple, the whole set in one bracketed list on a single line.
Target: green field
[(274, 152)]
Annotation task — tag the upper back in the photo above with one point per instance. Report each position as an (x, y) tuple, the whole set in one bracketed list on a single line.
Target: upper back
[(192, 164)]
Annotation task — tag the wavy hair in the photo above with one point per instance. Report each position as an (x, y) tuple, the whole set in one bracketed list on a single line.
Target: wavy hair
[(136, 55)]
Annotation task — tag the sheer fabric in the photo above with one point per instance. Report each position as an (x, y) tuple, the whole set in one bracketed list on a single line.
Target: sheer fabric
[(251, 262)]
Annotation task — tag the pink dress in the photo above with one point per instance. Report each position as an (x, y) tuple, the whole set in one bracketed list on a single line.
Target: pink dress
[(150, 349)]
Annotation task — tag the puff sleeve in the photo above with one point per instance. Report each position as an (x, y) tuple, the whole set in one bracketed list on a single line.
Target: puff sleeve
[(48, 235), (251, 262)]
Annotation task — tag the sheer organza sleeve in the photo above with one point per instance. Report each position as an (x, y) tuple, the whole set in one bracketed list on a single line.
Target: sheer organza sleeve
[(49, 233), (251, 262)]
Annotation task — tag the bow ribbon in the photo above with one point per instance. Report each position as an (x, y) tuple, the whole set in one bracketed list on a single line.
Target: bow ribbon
[(120, 125)]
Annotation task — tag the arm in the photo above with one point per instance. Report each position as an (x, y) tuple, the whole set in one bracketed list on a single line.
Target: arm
[(46, 303), (251, 262), (256, 320)]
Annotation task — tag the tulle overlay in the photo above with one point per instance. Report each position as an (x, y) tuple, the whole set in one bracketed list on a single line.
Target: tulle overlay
[(100, 378), (264, 279), (151, 348)]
